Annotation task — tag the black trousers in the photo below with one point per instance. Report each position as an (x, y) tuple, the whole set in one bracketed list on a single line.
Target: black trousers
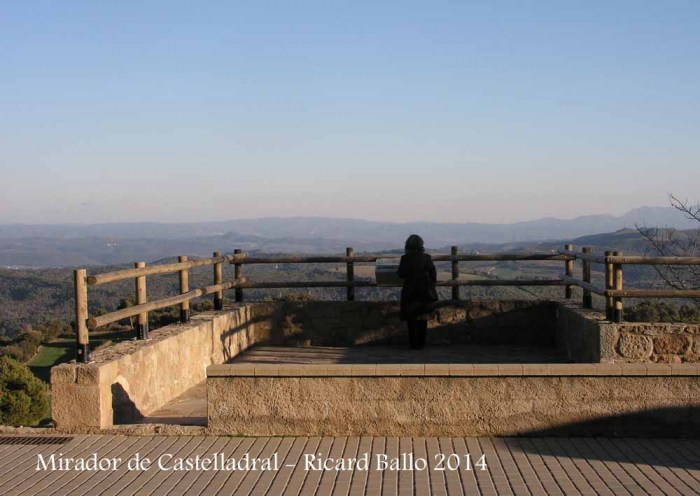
[(417, 329)]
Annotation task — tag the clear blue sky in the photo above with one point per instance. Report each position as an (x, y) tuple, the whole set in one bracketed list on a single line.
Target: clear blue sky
[(444, 111)]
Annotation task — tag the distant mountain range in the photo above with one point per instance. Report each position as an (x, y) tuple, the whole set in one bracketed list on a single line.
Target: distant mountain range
[(106, 244)]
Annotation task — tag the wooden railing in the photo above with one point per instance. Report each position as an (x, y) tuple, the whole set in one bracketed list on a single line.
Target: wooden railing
[(85, 323), (613, 291), (82, 280)]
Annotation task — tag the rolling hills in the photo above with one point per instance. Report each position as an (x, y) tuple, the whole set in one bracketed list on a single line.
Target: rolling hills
[(105, 244)]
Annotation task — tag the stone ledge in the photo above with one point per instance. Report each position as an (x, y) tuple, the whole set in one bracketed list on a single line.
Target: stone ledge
[(434, 406), (453, 370), (131, 379)]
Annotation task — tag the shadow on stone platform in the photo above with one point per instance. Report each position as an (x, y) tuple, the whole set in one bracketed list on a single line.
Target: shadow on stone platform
[(669, 422)]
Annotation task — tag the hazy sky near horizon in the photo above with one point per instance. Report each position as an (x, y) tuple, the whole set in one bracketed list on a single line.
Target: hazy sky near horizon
[(398, 111)]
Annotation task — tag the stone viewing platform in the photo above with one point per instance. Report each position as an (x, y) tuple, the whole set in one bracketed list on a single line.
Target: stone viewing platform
[(270, 369), (551, 395), (311, 368)]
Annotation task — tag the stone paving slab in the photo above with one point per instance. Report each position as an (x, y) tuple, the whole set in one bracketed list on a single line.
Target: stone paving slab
[(453, 466), (190, 408), (390, 354), (460, 360)]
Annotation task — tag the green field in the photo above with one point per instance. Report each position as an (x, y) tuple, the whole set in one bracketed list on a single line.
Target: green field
[(63, 350)]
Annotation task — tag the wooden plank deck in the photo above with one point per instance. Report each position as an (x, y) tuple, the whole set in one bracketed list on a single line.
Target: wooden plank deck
[(529, 466)]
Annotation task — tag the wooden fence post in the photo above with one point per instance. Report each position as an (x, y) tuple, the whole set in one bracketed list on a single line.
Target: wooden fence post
[(218, 279), (569, 271), (587, 296), (141, 298), (82, 348), (609, 275), (350, 274), (455, 273), (617, 278), (184, 288), (238, 273)]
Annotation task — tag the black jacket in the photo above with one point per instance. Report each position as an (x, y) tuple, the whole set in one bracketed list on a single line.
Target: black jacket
[(419, 274)]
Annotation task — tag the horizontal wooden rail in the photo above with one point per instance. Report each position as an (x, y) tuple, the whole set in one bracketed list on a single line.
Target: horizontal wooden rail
[(436, 258), (120, 275), (655, 293), (582, 284), (640, 260), (577, 255), (633, 293), (503, 282), (372, 284), (304, 284), (305, 259), (632, 260), (497, 257), (243, 258), (102, 320)]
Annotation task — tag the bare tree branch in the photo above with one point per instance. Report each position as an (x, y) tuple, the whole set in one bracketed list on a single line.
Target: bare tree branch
[(677, 243), (692, 212)]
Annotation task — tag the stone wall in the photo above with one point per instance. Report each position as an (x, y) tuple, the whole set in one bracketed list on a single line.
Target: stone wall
[(494, 322), (133, 378), (659, 342), (454, 400), (326, 323), (584, 335), (339, 323)]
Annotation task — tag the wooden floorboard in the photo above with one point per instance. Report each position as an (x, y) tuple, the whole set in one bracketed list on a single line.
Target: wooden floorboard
[(210, 482), (667, 459), (28, 465), (406, 477), (313, 477), (9, 457), (122, 477), (289, 463), (248, 480), (20, 454), (374, 477), (165, 445), (262, 485), (327, 481), (117, 449), (518, 466), (359, 477), (192, 481), (67, 481), (299, 474), (147, 481), (159, 477), (98, 483)]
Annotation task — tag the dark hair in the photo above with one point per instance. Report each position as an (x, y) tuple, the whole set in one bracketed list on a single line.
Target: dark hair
[(414, 244)]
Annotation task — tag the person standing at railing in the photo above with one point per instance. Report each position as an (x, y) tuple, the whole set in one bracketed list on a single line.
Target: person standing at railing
[(418, 272)]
